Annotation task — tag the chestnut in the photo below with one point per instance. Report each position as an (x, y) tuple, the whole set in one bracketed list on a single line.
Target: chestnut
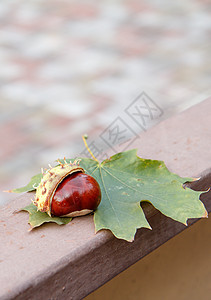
[(77, 194), (66, 190)]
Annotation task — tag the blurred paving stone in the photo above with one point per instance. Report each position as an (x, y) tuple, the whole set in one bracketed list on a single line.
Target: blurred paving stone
[(67, 68)]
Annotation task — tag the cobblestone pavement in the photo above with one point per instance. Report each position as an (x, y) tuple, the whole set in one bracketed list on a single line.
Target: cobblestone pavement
[(74, 67)]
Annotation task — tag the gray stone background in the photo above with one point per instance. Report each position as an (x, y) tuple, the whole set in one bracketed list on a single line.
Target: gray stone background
[(74, 67)]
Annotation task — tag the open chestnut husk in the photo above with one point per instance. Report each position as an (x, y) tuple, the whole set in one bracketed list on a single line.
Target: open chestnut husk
[(66, 190)]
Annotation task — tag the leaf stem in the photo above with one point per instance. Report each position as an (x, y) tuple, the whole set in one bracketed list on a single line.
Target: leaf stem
[(84, 137)]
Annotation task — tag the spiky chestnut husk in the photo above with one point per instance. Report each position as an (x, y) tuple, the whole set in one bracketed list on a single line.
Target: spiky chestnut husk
[(66, 190)]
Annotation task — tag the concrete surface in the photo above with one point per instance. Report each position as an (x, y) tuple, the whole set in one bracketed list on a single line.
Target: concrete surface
[(71, 261)]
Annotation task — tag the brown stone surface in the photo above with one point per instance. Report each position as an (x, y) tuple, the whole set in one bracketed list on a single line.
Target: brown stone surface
[(70, 261), (183, 141)]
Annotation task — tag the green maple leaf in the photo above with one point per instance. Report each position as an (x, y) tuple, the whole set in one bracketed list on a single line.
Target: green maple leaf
[(37, 218), (125, 180)]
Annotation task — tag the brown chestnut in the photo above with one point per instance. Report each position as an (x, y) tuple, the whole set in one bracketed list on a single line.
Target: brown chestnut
[(77, 194), (66, 190)]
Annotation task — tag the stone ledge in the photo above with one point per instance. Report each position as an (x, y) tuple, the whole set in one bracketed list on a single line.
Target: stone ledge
[(69, 262)]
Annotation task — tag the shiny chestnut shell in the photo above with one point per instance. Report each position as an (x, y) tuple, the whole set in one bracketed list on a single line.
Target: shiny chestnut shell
[(77, 194), (66, 190)]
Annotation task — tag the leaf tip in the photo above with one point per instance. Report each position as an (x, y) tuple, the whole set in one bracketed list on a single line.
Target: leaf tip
[(205, 214)]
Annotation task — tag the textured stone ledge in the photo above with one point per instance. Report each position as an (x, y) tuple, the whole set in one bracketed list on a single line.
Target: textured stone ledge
[(69, 262)]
